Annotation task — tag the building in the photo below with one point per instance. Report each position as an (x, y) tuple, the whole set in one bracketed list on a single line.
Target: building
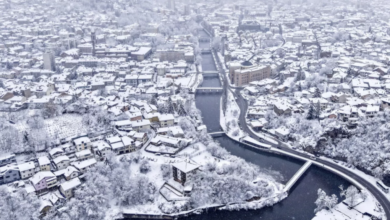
[(141, 137), (82, 166), (166, 120), (248, 73), (141, 54), (101, 148), (48, 61), (171, 4), (61, 162), (144, 79), (68, 173), (84, 155), (5, 160), (44, 163), (251, 25), (183, 171), (134, 116), (26, 170), (9, 174), (43, 180), (140, 125), (121, 145), (132, 80), (56, 152), (167, 141), (82, 143), (171, 55), (67, 188)]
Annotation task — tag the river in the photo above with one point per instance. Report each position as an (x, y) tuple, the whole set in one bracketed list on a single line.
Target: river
[(299, 205)]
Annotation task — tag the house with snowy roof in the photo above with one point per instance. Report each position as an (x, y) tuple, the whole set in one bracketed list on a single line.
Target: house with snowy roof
[(141, 137), (102, 148), (371, 110), (168, 141), (43, 180), (82, 166), (9, 173), (166, 120), (184, 170), (84, 155), (44, 163), (140, 125), (282, 108), (82, 143), (121, 145), (68, 173), (7, 159), (27, 169), (55, 198), (61, 162), (67, 188), (56, 152)]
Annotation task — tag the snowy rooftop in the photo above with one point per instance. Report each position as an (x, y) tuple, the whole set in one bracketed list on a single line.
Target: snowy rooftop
[(83, 153), (84, 164), (71, 184), (26, 166), (60, 159), (82, 140), (40, 176), (186, 167), (43, 161)]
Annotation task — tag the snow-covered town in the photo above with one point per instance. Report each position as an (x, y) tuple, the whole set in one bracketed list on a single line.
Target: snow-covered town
[(179, 109)]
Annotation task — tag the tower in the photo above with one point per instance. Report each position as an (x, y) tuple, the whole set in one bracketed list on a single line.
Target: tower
[(48, 61), (171, 4), (93, 41)]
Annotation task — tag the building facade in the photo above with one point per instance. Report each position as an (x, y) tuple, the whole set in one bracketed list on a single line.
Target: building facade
[(48, 61), (247, 73)]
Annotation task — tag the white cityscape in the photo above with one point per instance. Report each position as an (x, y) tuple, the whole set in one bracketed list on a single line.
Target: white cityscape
[(194, 110)]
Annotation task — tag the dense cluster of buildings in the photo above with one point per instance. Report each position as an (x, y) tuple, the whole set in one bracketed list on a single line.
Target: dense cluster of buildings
[(81, 63), (278, 53)]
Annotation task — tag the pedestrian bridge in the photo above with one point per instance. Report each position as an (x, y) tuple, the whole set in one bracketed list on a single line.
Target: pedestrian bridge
[(204, 39), (210, 73), (209, 90), (296, 176), (217, 134), (206, 51)]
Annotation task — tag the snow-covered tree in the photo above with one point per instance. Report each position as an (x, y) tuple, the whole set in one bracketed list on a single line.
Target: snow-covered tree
[(351, 195), (317, 93), (324, 201), (311, 114), (321, 200), (18, 205)]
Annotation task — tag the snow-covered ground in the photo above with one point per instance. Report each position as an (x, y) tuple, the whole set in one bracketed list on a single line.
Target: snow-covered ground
[(55, 129), (230, 119), (198, 154), (61, 127), (187, 81), (341, 211)]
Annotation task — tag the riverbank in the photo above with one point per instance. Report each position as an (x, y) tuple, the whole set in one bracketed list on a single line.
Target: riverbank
[(304, 191), (229, 119)]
